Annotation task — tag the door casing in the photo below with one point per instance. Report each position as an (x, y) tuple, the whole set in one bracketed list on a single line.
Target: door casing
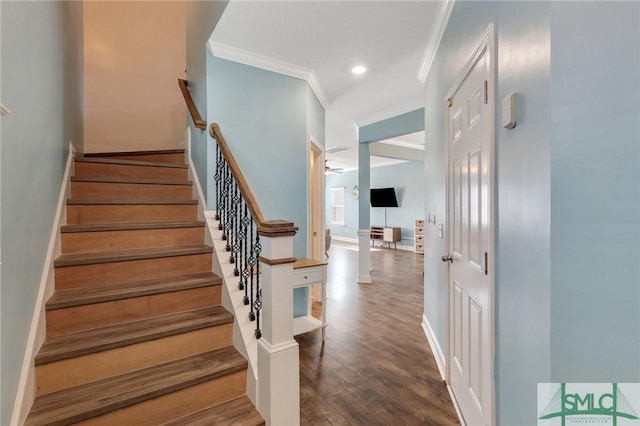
[(486, 44), (316, 200)]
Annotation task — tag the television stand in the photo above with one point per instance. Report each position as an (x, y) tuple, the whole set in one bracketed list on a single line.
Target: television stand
[(385, 234)]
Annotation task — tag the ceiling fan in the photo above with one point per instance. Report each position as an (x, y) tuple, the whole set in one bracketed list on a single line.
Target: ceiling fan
[(328, 169)]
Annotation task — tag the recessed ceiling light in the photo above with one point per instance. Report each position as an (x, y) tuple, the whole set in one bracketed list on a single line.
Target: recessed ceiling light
[(359, 69)]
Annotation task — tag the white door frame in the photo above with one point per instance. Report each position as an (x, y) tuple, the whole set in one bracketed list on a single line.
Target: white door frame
[(318, 177), (486, 44)]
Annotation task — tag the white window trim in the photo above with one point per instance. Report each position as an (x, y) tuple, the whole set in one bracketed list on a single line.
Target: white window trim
[(334, 193)]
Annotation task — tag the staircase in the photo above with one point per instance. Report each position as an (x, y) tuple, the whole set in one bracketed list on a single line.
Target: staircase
[(136, 334)]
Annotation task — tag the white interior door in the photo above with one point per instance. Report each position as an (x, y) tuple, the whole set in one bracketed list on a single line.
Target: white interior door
[(469, 185)]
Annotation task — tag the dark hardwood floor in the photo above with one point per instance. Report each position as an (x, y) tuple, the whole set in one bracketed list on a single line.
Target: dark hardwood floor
[(376, 367)]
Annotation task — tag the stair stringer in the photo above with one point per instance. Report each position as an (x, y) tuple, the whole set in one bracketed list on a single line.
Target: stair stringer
[(244, 339), (232, 299)]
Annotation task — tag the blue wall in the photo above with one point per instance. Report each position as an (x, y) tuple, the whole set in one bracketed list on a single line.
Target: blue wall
[(410, 122), (566, 291), (408, 181), (364, 185), (522, 257), (595, 201), (41, 78), (267, 119), (348, 180), (202, 17), (73, 47), (263, 116)]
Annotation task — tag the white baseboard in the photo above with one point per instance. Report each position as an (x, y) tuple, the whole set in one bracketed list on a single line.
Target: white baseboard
[(25, 393), (397, 246), (400, 246), (345, 239), (438, 354)]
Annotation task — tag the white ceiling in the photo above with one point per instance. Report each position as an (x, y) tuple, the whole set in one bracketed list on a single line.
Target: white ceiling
[(329, 38), (412, 140)]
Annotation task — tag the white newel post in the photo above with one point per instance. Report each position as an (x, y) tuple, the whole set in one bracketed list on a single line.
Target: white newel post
[(278, 356)]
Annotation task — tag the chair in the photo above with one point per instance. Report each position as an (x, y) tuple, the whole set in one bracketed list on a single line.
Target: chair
[(327, 241)]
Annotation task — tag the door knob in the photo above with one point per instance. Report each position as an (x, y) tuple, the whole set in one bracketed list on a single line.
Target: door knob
[(447, 258)]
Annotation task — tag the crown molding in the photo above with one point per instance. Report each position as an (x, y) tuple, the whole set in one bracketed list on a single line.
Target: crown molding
[(440, 22), (314, 83), (230, 53)]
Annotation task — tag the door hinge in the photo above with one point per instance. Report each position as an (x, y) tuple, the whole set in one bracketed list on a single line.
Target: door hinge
[(486, 263), (486, 92), (449, 102)]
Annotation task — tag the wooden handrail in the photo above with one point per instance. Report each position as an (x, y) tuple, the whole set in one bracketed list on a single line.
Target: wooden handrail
[(254, 208), (193, 109)]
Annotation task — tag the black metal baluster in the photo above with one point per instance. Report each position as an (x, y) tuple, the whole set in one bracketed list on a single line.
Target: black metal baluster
[(217, 177), (235, 247), (223, 174), (246, 221), (253, 261), (258, 302), (228, 206), (242, 236), (238, 228), (223, 202), (233, 212)]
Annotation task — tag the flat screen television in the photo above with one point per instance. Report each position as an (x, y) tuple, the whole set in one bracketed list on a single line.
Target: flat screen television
[(383, 197)]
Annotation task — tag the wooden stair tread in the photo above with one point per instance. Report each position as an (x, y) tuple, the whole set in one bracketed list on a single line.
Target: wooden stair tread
[(236, 412), (128, 226), (171, 216), (131, 162), (131, 180), (75, 259), (97, 398), (68, 298), (56, 348), (127, 202), (124, 153)]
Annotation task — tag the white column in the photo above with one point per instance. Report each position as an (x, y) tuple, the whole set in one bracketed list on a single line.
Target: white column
[(364, 256), (278, 358)]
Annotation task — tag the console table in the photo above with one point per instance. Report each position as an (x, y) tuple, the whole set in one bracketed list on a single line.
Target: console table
[(386, 234), (306, 273)]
